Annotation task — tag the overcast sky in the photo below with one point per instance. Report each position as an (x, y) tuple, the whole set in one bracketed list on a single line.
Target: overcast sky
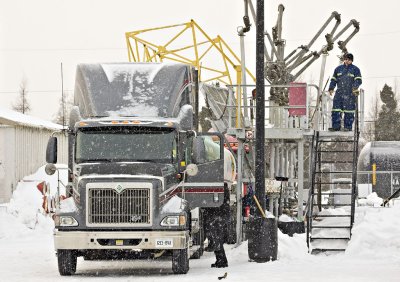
[(36, 36)]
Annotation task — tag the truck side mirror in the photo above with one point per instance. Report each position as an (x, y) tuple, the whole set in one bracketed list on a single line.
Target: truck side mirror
[(198, 150), (51, 151)]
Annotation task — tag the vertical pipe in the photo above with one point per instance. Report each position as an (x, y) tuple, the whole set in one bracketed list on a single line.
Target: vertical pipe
[(272, 162), (196, 100), (361, 110), (230, 97), (300, 177), (287, 162), (239, 98), (260, 108), (239, 192), (277, 160), (391, 182), (243, 64), (320, 90)]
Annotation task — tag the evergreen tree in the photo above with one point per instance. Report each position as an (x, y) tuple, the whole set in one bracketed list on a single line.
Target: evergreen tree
[(387, 126)]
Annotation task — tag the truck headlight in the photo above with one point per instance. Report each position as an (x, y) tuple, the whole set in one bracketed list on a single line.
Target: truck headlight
[(174, 220), (66, 221)]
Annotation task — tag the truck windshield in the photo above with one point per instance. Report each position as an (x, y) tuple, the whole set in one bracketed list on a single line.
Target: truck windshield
[(125, 145)]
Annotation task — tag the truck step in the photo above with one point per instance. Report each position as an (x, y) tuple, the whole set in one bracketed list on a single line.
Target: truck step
[(329, 238), (317, 250)]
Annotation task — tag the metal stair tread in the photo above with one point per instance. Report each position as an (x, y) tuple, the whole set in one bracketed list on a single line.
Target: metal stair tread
[(332, 215), (337, 162), (341, 151), (335, 205), (329, 238), (329, 226), (344, 182), (336, 193), (335, 141), (344, 171)]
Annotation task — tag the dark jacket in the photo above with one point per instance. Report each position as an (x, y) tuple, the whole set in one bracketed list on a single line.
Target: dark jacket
[(346, 78)]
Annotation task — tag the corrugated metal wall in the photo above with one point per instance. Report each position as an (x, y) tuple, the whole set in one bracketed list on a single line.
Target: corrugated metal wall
[(30, 152), (30, 149)]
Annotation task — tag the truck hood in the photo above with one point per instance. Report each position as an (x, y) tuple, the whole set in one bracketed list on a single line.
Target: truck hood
[(134, 168)]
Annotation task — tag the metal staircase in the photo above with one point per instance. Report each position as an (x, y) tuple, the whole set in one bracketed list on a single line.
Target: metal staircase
[(333, 191)]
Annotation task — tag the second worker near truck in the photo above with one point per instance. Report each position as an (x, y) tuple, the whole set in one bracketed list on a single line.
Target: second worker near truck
[(347, 78)]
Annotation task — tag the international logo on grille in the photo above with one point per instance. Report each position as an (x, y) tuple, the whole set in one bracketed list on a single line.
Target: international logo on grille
[(119, 188)]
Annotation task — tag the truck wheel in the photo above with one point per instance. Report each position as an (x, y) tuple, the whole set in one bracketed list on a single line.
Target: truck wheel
[(180, 261), (66, 262)]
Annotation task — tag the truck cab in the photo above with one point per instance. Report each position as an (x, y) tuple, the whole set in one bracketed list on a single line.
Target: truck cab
[(137, 167)]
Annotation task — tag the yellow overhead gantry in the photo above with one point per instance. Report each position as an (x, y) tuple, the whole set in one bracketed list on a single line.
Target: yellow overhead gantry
[(213, 58)]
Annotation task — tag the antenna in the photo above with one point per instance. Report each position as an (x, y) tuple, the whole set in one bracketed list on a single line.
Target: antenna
[(62, 96)]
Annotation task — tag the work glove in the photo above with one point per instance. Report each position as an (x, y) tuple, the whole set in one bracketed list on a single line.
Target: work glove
[(331, 92), (356, 91)]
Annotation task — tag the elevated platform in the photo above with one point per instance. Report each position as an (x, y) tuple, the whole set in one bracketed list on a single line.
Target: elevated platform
[(298, 133)]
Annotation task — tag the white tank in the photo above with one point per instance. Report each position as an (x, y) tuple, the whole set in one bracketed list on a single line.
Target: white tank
[(212, 153), (229, 166)]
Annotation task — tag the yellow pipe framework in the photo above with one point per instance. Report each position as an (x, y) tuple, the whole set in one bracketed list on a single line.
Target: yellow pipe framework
[(153, 52)]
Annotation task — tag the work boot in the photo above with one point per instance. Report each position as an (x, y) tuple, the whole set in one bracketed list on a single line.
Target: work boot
[(220, 257), (347, 129), (219, 264), (333, 129)]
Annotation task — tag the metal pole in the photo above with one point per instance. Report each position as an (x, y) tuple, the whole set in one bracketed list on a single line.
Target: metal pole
[(253, 13), (239, 186), (196, 102), (243, 61), (300, 191), (230, 97), (320, 90), (260, 108)]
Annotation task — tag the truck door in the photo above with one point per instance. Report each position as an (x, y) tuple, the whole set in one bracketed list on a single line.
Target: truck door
[(206, 188)]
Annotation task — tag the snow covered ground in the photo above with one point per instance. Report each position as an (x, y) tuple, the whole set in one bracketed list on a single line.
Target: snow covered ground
[(26, 250)]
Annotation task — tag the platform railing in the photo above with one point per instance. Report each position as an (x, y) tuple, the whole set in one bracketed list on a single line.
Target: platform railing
[(276, 116), (317, 114)]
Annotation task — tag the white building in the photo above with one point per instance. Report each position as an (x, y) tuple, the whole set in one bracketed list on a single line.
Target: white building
[(23, 142)]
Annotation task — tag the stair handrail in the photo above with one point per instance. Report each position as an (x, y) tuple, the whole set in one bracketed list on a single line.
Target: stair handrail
[(310, 203), (355, 161)]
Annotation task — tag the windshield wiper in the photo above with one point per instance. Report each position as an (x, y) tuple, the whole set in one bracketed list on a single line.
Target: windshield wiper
[(95, 161), (143, 160)]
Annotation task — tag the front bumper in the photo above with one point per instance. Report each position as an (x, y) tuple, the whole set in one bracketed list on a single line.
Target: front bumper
[(135, 240)]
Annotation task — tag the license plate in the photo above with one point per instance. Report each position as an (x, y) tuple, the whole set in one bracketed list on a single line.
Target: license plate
[(164, 243), (119, 242)]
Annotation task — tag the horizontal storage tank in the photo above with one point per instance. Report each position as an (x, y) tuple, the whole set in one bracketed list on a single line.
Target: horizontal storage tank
[(384, 158)]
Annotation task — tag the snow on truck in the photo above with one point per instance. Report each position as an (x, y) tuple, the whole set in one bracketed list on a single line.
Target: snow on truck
[(139, 172)]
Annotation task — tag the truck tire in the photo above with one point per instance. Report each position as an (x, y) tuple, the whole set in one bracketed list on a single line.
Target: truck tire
[(66, 262), (180, 261)]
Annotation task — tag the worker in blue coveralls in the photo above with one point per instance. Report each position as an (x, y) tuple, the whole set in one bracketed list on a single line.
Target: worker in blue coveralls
[(347, 78)]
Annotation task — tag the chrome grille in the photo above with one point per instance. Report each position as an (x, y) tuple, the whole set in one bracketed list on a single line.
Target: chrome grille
[(131, 206)]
